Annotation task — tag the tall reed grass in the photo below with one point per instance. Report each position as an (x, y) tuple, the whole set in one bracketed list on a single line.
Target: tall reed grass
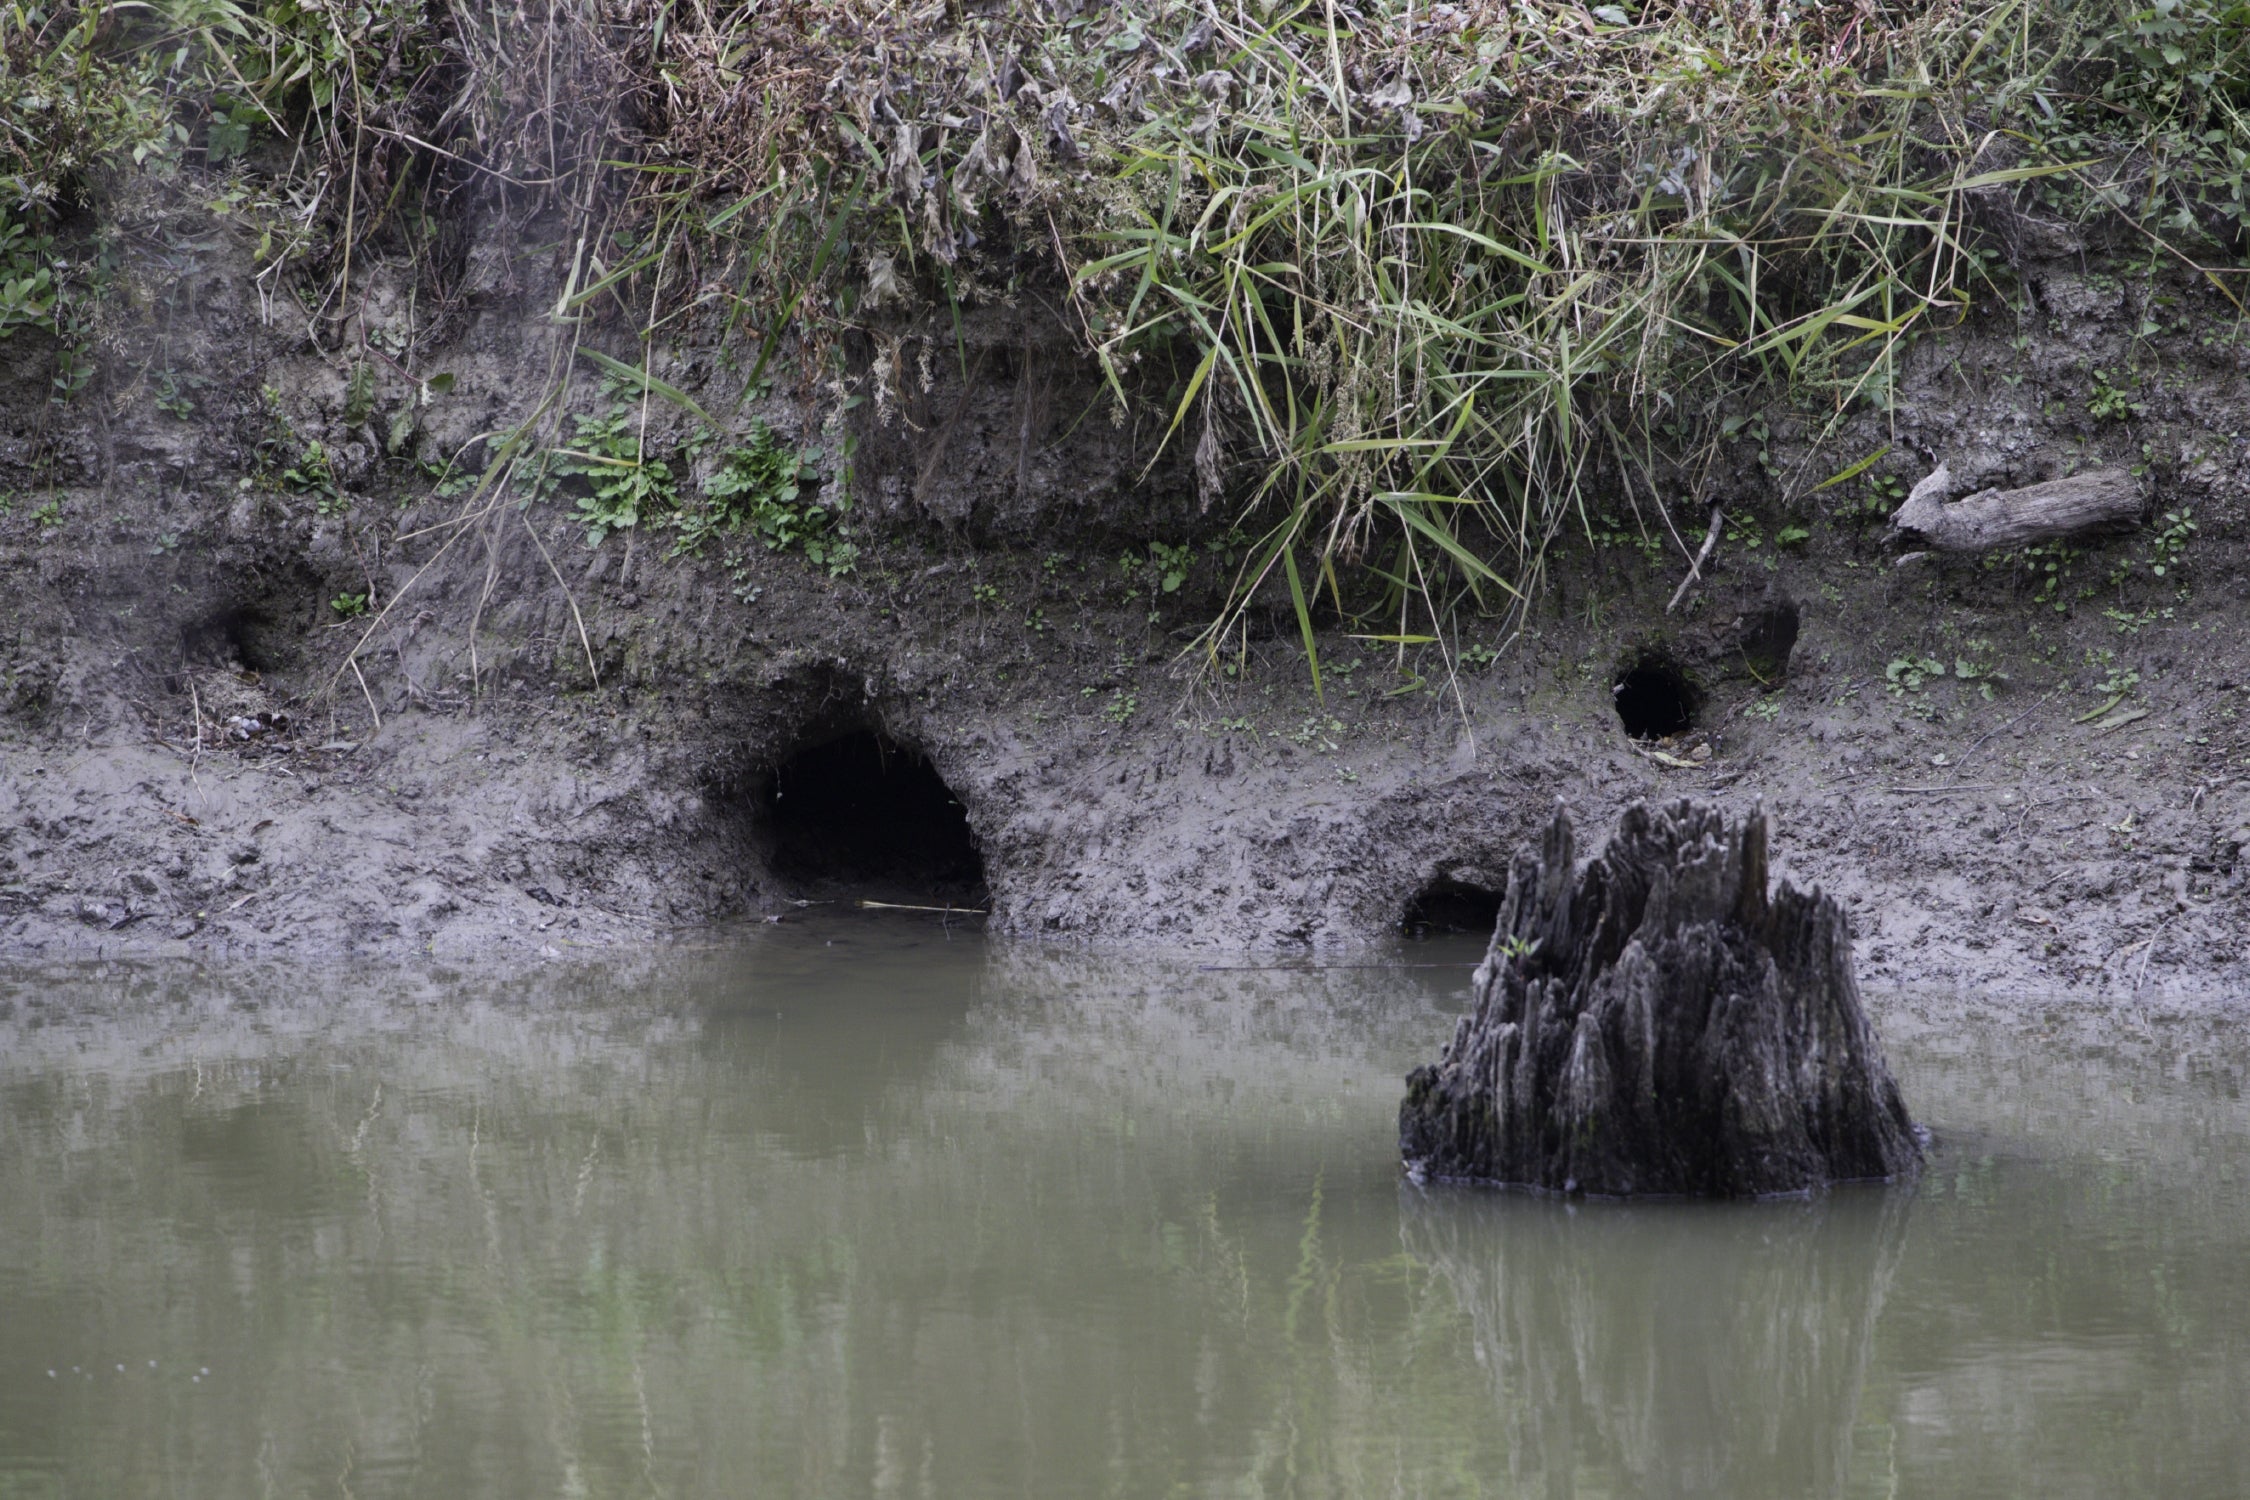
[(1418, 273)]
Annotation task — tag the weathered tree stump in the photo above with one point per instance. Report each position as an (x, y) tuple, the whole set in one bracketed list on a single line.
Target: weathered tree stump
[(1990, 520), (1656, 1023)]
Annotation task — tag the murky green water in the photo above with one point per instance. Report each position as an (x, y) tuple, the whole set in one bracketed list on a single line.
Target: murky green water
[(899, 1215)]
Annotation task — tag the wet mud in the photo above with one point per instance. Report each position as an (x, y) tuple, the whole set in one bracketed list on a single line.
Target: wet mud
[(236, 716)]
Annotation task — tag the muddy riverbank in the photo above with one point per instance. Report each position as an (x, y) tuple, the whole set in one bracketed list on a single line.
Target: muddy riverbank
[(252, 706)]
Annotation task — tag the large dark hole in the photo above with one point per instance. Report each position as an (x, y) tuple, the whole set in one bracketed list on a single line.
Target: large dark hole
[(1446, 905), (864, 813), (1655, 697), (234, 637)]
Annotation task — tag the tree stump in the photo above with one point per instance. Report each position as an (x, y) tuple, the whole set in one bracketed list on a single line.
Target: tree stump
[(1657, 1023)]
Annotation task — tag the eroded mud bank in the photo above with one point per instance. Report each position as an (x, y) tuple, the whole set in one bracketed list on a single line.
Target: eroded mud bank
[(2020, 775)]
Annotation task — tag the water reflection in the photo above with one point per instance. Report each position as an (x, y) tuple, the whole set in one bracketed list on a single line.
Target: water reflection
[(876, 1210), (1685, 1349)]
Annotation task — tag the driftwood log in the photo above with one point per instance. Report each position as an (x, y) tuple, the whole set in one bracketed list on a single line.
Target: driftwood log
[(1994, 520), (1658, 1023)]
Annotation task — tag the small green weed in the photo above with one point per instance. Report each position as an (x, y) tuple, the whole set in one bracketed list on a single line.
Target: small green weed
[(349, 606), (1171, 565), (2119, 682), (1909, 674), (2130, 622), (2169, 539), (1878, 498), (760, 485), (313, 474), (1610, 535), (1906, 674), (737, 565), (359, 394), (624, 486), (2049, 564), (1977, 667), (2109, 403), (172, 396), (448, 482)]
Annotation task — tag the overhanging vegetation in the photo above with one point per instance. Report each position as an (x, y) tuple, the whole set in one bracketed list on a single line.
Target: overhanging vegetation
[(1406, 280)]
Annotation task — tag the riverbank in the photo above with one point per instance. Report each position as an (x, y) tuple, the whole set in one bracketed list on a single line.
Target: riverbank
[(1989, 814), (504, 605)]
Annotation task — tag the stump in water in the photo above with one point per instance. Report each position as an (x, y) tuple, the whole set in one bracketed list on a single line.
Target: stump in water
[(1656, 1023)]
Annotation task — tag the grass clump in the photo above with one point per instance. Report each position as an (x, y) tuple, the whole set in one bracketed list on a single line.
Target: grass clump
[(1410, 287), (1411, 283)]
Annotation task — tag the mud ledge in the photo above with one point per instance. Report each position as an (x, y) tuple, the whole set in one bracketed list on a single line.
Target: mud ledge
[(578, 748)]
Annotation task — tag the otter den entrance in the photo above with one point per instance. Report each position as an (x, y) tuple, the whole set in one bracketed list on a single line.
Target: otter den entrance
[(1451, 906), (863, 812), (1655, 696)]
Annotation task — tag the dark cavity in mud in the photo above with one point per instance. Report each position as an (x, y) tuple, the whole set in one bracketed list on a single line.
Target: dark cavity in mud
[(1765, 639), (234, 637), (1655, 696), (864, 812), (1450, 906)]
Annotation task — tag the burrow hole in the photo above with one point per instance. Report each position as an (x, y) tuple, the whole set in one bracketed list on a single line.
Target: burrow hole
[(230, 638), (1655, 696), (1447, 906), (862, 813)]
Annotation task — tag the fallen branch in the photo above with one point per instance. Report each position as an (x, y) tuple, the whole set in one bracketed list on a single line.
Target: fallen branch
[(1996, 520), (957, 911), (1702, 555)]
